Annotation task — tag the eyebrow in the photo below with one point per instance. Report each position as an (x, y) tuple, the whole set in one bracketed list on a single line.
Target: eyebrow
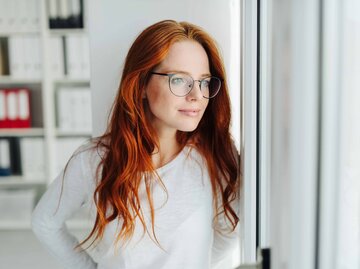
[(184, 72)]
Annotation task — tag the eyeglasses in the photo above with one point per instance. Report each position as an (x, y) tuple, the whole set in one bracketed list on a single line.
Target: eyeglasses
[(182, 84)]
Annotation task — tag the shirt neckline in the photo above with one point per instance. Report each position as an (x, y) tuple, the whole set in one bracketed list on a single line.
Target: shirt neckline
[(172, 162)]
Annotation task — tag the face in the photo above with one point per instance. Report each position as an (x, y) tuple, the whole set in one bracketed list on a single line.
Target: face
[(169, 113)]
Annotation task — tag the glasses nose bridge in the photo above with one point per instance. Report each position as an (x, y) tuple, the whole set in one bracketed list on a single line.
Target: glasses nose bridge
[(198, 81), (194, 91)]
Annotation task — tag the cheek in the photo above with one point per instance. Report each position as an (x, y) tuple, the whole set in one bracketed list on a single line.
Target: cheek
[(158, 98)]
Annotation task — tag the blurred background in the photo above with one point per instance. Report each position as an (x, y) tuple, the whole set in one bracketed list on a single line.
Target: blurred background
[(293, 70)]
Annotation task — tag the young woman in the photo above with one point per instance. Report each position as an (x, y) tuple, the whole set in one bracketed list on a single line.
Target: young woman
[(163, 181)]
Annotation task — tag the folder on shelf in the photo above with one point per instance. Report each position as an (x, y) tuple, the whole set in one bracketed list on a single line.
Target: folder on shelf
[(73, 48), (57, 57), (3, 113), (23, 120), (25, 57), (19, 15), (65, 14), (16, 56), (53, 13), (15, 112), (74, 109), (5, 165), (76, 17), (32, 158), (85, 57), (33, 7), (4, 59), (15, 156), (33, 56), (22, 19)]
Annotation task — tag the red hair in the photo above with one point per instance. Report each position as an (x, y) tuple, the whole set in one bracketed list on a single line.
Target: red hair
[(130, 139)]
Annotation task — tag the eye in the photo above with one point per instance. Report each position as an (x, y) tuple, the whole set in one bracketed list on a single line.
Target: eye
[(178, 80), (205, 83)]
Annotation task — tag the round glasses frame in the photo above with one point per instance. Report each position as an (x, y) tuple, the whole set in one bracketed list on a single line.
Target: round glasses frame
[(170, 75)]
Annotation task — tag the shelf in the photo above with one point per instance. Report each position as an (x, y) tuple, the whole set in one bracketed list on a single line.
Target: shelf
[(19, 32), (10, 181), (60, 133), (67, 80), (19, 132), (62, 32), (9, 80)]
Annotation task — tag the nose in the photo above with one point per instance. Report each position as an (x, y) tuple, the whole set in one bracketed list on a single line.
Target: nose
[(195, 93)]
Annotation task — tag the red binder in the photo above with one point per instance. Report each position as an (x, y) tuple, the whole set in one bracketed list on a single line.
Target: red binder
[(23, 101), (15, 108)]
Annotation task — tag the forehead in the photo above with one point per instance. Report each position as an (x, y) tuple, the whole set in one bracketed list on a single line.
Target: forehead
[(187, 56)]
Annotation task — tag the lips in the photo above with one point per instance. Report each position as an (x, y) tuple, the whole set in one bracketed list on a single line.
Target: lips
[(190, 112)]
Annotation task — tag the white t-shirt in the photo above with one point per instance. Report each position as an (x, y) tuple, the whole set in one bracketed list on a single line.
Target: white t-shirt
[(183, 219)]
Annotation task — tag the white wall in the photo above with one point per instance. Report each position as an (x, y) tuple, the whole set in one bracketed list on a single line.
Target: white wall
[(114, 25)]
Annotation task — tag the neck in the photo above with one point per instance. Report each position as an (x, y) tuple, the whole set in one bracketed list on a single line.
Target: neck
[(168, 149)]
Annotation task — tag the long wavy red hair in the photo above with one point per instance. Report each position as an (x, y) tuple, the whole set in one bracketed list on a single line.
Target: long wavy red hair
[(130, 139)]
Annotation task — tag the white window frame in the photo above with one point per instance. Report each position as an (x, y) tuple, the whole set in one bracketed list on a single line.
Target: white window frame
[(248, 127)]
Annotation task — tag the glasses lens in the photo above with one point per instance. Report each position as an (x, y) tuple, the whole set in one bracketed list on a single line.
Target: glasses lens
[(180, 84), (210, 86)]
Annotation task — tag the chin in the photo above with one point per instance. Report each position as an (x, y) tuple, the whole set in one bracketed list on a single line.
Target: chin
[(188, 128)]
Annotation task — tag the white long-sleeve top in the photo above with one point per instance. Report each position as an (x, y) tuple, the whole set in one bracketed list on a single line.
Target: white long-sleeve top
[(183, 219)]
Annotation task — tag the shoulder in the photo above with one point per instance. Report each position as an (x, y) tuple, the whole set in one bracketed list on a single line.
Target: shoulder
[(89, 155)]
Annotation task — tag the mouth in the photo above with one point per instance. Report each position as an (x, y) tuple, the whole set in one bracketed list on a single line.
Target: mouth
[(190, 112)]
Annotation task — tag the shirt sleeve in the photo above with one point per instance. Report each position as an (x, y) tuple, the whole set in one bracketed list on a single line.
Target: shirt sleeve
[(62, 199), (225, 241)]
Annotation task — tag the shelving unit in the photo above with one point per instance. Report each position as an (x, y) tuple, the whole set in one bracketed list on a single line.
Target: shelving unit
[(43, 111)]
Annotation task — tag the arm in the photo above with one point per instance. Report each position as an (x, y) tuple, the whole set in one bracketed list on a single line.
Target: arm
[(50, 214)]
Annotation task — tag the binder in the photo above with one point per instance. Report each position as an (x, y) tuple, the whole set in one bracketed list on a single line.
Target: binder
[(57, 57), (15, 108), (3, 113), (24, 118), (74, 109), (73, 48), (53, 14), (16, 56), (64, 13), (33, 165), (85, 57), (22, 19), (4, 59), (76, 18), (15, 156), (33, 6), (5, 167)]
